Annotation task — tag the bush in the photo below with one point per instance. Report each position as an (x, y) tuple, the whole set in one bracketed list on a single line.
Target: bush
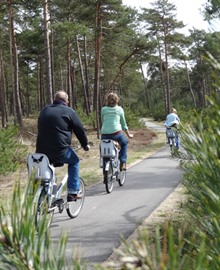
[(132, 119), (201, 177), (24, 248), (12, 152)]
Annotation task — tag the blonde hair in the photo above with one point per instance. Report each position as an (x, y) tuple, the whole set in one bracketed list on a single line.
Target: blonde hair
[(112, 99), (173, 110), (61, 95)]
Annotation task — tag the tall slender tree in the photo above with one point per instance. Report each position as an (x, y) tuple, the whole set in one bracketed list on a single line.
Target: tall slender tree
[(14, 68), (49, 91), (161, 24)]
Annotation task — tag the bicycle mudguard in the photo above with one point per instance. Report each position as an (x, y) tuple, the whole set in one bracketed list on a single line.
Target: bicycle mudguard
[(107, 164)]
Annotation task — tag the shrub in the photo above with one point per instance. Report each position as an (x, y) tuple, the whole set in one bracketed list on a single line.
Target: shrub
[(201, 176), (12, 152), (24, 248)]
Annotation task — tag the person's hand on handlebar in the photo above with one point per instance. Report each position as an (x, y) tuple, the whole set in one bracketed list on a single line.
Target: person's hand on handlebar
[(86, 148), (129, 134)]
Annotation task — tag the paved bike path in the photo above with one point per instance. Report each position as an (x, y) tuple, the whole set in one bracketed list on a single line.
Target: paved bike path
[(105, 218)]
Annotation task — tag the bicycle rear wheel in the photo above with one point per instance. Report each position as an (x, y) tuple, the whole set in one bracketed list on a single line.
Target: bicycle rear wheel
[(108, 176), (73, 208), (42, 215), (122, 177), (172, 145)]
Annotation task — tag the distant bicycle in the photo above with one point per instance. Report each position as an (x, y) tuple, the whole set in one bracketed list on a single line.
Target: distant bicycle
[(48, 197), (110, 163), (172, 139)]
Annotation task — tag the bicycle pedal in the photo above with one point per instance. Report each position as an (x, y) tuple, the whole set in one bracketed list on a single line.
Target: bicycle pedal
[(58, 202), (61, 207)]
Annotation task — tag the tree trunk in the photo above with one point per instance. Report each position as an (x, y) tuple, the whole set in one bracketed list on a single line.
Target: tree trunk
[(3, 103), (68, 65), (190, 85), (162, 76), (82, 77), (14, 69), (98, 37), (47, 54), (88, 94), (73, 89), (145, 87), (166, 67)]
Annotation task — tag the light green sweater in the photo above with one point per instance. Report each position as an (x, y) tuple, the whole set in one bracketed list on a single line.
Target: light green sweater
[(113, 119)]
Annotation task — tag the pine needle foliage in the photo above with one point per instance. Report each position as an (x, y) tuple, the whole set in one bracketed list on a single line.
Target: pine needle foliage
[(12, 152), (22, 247), (201, 173)]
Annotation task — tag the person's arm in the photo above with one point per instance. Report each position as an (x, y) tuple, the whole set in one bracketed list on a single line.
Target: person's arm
[(177, 117), (129, 134), (124, 125)]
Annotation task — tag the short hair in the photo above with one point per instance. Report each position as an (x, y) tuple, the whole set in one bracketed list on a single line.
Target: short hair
[(112, 99), (61, 95), (173, 110)]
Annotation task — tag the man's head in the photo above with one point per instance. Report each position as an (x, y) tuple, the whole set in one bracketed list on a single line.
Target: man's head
[(61, 95)]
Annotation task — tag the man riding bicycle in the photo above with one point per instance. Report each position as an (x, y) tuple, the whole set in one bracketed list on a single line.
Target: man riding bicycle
[(56, 123)]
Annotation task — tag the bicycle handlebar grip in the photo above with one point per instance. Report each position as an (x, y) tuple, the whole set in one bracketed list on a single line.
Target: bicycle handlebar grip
[(86, 148)]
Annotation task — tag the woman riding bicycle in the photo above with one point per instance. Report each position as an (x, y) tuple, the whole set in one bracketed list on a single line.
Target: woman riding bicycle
[(172, 121), (113, 125)]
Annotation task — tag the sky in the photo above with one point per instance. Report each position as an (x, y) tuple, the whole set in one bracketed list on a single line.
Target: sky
[(188, 11)]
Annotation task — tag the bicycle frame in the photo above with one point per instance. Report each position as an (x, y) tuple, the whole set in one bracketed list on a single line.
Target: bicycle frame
[(48, 197)]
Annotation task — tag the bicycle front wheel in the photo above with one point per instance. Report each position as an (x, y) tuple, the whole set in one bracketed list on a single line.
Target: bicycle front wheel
[(43, 217), (73, 208), (108, 176)]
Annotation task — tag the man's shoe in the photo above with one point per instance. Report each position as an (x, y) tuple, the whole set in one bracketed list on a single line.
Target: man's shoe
[(73, 197), (122, 166)]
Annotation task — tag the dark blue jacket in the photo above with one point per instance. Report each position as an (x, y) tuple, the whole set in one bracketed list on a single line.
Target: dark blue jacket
[(56, 123)]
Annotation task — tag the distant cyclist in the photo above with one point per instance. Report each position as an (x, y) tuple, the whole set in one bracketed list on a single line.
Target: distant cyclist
[(172, 120), (113, 125), (56, 123)]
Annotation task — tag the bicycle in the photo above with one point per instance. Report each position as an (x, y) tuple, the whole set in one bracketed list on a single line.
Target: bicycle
[(109, 162), (48, 196), (172, 138)]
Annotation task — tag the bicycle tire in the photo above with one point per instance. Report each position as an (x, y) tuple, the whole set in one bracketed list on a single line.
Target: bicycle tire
[(74, 208), (122, 178), (42, 215), (108, 176), (172, 145)]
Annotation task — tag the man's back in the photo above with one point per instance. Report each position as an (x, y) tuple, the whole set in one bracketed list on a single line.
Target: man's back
[(56, 123)]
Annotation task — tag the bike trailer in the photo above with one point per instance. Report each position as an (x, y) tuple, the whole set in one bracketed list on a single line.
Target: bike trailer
[(170, 133), (38, 165), (108, 148)]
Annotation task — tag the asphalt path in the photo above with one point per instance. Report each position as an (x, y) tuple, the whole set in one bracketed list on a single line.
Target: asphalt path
[(107, 218)]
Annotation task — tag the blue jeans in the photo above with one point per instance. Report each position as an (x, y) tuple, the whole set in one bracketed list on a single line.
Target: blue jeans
[(177, 140), (122, 140), (71, 158)]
